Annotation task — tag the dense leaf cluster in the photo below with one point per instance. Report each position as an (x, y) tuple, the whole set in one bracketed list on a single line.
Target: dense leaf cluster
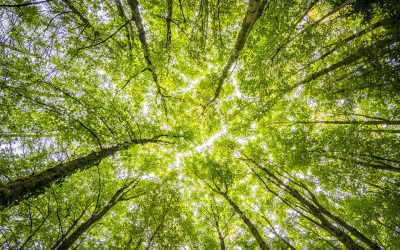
[(183, 124)]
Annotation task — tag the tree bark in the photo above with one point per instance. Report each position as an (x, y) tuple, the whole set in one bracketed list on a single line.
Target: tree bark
[(118, 196), (289, 38), (361, 53), (338, 220), (246, 221), (221, 239), (379, 165), (129, 29), (351, 229), (254, 10), (74, 223), (352, 37), (342, 236), (287, 243), (26, 187), (134, 4), (168, 23), (387, 122)]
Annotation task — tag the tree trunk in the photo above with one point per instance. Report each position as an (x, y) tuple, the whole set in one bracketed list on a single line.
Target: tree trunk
[(158, 228), (378, 165), (221, 239), (247, 221), (26, 187), (339, 221), (118, 196), (363, 52), (388, 122), (352, 37), (168, 23), (129, 28), (342, 236), (287, 243), (291, 38), (84, 227), (254, 10), (351, 229), (134, 4)]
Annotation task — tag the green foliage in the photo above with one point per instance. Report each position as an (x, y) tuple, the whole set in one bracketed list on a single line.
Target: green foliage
[(310, 104)]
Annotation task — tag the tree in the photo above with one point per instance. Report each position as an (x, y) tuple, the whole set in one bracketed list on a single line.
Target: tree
[(34, 184), (121, 195), (250, 124)]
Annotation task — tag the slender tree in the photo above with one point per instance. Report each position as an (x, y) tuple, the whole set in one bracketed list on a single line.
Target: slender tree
[(120, 195)]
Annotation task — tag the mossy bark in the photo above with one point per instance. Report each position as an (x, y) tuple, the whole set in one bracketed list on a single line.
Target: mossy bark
[(26, 187), (35, 184)]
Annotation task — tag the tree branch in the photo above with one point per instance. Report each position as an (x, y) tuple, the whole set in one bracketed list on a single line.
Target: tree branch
[(105, 40), (23, 4)]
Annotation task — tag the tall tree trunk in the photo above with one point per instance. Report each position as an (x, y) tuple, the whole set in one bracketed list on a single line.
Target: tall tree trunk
[(287, 243), (289, 36), (64, 235), (351, 229), (134, 4), (376, 165), (292, 36), (118, 196), (154, 234), (352, 37), (387, 122), (129, 28), (168, 23), (382, 166), (221, 238), (361, 53), (315, 210), (254, 10), (318, 211), (344, 238), (246, 221), (338, 220), (26, 187)]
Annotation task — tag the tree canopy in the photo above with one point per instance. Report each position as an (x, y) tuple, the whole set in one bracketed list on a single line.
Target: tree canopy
[(210, 124)]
